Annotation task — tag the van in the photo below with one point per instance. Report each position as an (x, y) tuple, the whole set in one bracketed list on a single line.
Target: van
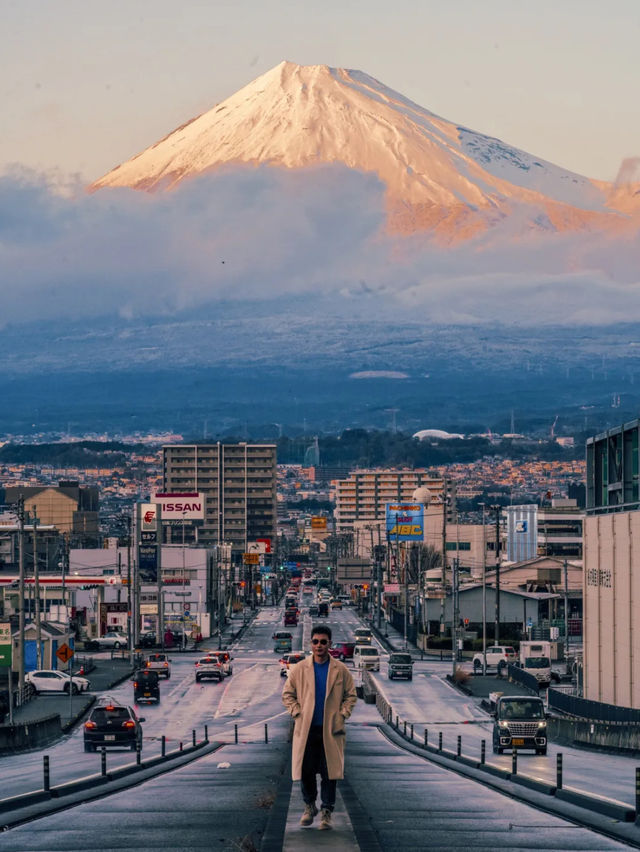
[(282, 641), (363, 636), (520, 721), (400, 665), (535, 659), (145, 686), (366, 657)]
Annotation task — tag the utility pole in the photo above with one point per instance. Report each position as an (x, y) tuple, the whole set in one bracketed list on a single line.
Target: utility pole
[(484, 594), (496, 637), (129, 583), (36, 576), (444, 556), (455, 614), (21, 600), (566, 617)]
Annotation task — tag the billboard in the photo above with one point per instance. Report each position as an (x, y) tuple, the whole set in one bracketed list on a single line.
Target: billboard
[(148, 517), (180, 506), (405, 521), (318, 523)]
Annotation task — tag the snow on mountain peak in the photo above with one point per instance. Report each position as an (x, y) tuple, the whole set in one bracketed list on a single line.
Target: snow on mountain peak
[(439, 176)]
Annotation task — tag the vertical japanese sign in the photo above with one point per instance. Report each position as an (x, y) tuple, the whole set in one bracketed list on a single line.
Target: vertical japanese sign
[(5, 645)]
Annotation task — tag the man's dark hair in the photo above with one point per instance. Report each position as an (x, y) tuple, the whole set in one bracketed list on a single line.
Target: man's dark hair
[(324, 629)]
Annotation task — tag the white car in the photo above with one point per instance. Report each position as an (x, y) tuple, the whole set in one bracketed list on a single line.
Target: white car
[(366, 657), (113, 639), (50, 680), (498, 656)]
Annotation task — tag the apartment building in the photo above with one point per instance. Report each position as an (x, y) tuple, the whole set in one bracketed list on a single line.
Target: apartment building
[(612, 567), (364, 494), (71, 508), (239, 485)]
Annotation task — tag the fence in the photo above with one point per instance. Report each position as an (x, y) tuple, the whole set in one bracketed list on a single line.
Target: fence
[(586, 709), (524, 678)]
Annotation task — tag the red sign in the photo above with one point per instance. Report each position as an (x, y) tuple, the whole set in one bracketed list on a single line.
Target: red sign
[(267, 544)]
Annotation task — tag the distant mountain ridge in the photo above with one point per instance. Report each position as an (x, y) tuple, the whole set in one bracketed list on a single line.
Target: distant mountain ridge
[(440, 177)]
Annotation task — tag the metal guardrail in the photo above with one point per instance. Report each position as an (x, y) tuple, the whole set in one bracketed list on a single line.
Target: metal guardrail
[(524, 678), (584, 708)]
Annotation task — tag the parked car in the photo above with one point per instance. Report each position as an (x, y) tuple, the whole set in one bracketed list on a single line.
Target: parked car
[(148, 640), (342, 650), (520, 721), (112, 639), (224, 657), (288, 660), (115, 725), (400, 665), (282, 640), (146, 686), (209, 667), (51, 680), (160, 664), (498, 656), (366, 657)]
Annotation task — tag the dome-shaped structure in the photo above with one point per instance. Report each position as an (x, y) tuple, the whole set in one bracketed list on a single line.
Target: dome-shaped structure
[(422, 495), (438, 434)]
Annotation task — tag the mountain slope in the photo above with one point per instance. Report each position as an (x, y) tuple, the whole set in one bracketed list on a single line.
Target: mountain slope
[(438, 176)]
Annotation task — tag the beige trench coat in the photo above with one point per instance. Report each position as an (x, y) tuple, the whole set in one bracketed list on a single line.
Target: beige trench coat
[(299, 695)]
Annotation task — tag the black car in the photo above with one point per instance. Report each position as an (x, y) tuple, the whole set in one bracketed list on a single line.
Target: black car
[(313, 611), (113, 725), (323, 609), (146, 686), (148, 640)]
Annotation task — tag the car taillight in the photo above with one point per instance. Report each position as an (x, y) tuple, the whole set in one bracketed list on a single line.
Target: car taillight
[(166, 664), (109, 707), (128, 724), (135, 684), (90, 726)]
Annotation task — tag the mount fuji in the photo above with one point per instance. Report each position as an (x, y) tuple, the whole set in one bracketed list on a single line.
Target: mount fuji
[(439, 177)]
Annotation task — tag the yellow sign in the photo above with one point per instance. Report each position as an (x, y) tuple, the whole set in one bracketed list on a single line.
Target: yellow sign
[(64, 653), (318, 523), (251, 558)]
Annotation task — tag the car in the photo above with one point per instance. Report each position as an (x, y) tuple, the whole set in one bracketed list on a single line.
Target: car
[(112, 639), (51, 680), (146, 686), (520, 721), (313, 611), (288, 660), (400, 665), (282, 640), (148, 639), (336, 604), (225, 659), (113, 725), (209, 667), (342, 650), (291, 618), (498, 656), (366, 657), (323, 609), (160, 664), (363, 636)]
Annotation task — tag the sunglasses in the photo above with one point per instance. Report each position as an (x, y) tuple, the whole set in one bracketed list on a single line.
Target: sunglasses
[(319, 641)]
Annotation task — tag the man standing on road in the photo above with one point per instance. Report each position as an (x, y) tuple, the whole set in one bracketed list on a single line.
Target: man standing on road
[(320, 695)]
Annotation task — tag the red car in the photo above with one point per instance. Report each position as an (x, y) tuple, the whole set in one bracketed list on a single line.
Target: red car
[(342, 650), (291, 618)]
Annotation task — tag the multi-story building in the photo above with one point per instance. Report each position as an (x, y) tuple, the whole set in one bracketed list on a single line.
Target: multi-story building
[(69, 507), (612, 567), (364, 494), (239, 485), (554, 530)]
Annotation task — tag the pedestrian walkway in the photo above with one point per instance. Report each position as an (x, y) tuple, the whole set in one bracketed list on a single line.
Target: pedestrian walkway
[(298, 837)]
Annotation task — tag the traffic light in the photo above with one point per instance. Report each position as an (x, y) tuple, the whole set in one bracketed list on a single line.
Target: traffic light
[(365, 586), (242, 584)]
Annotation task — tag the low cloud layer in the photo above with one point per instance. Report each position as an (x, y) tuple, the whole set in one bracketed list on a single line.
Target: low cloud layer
[(264, 233)]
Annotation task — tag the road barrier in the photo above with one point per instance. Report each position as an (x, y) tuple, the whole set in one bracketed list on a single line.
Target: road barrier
[(600, 804)]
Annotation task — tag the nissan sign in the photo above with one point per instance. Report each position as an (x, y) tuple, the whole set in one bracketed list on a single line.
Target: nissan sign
[(179, 507)]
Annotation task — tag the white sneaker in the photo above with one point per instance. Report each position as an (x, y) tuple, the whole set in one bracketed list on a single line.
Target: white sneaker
[(310, 811), (325, 819)]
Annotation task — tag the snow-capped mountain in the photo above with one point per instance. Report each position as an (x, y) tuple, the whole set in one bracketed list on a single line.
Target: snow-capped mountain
[(439, 176)]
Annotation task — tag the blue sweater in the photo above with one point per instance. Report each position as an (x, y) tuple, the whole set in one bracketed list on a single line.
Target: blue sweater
[(320, 671)]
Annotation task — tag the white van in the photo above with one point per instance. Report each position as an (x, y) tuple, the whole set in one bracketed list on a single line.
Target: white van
[(366, 657)]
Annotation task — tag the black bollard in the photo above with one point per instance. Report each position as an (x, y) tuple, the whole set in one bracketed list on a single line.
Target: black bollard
[(483, 751), (439, 740), (514, 761), (235, 731), (404, 730), (103, 762), (163, 746), (426, 737), (459, 745), (411, 730), (138, 753), (559, 774), (180, 745), (206, 733), (193, 737), (47, 778), (266, 733)]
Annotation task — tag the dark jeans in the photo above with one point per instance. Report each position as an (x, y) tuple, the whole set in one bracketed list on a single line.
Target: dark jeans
[(314, 762)]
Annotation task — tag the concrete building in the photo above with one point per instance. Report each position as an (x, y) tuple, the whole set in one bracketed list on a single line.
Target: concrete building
[(554, 530), (71, 508), (239, 485), (612, 568), (363, 496)]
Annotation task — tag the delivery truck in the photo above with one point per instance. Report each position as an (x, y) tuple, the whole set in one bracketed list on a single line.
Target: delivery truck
[(535, 658)]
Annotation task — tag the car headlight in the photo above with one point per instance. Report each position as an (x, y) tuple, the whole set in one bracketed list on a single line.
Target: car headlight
[(504, 725), (542, 724)]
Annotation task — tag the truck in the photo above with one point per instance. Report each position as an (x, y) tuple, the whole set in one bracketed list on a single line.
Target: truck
[(535, 658), (520, 721)]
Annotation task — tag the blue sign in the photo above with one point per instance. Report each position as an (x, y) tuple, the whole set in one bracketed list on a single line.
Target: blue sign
[(405, 521), (522, 526), (187, 613)]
